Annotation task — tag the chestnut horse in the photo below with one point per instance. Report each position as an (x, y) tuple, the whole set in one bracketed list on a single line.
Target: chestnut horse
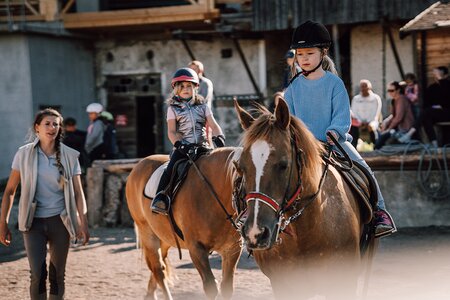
[(303, 222), (197, 213)]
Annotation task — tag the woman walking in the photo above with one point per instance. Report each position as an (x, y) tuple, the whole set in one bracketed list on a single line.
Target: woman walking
[(52, 207)]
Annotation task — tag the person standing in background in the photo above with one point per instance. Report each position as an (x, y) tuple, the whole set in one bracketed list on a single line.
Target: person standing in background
[(52, 207), (205, 88), (75, 138), (94, 138), (290, 69), (109, 136)]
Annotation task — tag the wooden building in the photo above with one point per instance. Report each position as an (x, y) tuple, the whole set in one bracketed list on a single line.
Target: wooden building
[(129, 49), (431, 32)]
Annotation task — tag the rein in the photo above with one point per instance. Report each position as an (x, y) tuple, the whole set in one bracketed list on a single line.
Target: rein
[(213, 192)]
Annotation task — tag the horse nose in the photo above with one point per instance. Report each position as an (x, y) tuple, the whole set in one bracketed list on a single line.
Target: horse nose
[(256, 237)]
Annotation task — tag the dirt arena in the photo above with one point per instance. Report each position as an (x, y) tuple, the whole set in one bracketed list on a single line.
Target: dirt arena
[(412, 264)]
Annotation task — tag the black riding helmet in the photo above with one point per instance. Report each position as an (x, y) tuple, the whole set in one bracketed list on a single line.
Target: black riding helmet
[(310, 34), (185, 74)]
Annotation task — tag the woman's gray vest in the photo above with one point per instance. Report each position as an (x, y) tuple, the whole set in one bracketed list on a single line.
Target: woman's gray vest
[(191, 121)]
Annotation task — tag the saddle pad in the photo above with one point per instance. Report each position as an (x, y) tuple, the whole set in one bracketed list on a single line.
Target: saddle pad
[(152, 184)]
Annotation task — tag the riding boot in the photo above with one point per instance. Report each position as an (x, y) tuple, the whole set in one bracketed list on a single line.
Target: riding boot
[(161, 202)]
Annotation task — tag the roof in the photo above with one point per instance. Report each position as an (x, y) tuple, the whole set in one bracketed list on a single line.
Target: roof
[(435, 16), (287, 14)]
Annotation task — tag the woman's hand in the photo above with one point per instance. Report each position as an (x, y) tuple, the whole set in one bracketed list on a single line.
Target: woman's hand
[(5, 234), (83, 233)]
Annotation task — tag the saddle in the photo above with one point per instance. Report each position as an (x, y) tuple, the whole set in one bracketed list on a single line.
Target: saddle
[(179, 173), (361, 182), (181, 169)]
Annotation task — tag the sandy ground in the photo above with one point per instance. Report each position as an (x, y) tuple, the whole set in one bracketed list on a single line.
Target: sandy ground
[(412, 264)]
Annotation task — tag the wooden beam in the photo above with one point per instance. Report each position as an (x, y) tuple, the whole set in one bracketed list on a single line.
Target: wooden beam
[(138, 17), (31, 8), (23, 18), (67, 7)]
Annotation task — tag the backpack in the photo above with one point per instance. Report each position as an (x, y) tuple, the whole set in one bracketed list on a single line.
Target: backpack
[(110, 141)]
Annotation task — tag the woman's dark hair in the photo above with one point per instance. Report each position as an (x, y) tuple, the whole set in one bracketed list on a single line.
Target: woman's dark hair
[(399, 87), (411, 77), (53, 113)]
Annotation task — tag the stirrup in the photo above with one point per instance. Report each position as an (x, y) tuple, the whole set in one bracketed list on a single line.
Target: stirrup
[(161, 197), (385, 229)]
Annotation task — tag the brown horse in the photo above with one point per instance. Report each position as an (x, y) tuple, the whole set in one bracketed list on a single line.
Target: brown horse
[(200, 217), (304, 231)]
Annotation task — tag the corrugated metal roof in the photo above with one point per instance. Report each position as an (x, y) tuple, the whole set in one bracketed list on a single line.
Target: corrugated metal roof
[(284, 14), (437, 15)]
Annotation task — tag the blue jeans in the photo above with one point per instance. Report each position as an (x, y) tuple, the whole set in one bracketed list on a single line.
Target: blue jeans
[(354, 155)]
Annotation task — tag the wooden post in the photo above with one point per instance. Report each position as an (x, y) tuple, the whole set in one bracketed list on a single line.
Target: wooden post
[(337, 54), (94, 195), (48, 8)]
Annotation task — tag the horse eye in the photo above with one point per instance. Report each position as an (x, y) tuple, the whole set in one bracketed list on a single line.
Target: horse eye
[(238, 167), (282, 165)]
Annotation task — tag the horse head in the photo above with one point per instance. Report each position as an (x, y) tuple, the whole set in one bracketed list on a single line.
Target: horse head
[(276, 148)]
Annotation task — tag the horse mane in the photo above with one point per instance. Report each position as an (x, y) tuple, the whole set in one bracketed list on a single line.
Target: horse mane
[(265, 126)]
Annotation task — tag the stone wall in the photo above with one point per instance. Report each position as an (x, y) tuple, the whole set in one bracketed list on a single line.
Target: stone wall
[(409, 205)]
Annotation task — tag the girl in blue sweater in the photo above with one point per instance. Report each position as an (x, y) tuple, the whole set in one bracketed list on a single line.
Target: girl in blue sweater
[(318, 97)]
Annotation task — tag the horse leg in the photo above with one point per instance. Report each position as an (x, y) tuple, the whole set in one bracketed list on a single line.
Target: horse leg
[(151, 288), (155, 262), (199, 256), (229, 262)]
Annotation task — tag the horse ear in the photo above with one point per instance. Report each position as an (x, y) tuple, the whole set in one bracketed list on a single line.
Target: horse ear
[(282, 114), (245, 118)]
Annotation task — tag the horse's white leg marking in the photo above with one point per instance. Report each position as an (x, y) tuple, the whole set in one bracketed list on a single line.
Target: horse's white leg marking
[(260, 151)]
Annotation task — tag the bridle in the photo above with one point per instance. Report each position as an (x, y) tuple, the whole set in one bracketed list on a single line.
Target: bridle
[(295, 199), (287, 203)]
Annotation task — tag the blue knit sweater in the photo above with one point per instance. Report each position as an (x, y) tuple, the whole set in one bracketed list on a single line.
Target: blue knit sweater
[(322, 104)]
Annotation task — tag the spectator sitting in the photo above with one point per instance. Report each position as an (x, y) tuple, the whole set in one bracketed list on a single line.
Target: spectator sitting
[(436, 106), (401, 120), (412, 93), (366, 112)]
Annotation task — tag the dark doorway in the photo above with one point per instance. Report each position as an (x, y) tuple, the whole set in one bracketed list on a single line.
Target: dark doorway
[(145, 110), (136, 103)]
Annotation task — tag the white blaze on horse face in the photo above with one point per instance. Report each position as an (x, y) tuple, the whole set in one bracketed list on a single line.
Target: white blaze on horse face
[(260, 151)]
